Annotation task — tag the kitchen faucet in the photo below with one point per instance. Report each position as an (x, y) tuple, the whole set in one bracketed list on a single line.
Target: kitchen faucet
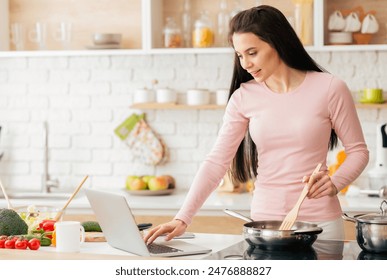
[(48, 183)]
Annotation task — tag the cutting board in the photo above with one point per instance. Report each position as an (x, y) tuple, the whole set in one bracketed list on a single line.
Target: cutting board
[(94, 237)]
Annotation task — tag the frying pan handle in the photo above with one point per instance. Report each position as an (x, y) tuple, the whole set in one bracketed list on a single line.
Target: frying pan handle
[(237, 215), (348, 218)]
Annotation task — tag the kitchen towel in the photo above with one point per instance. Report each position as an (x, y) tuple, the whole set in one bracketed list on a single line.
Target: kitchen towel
[(146, 144)]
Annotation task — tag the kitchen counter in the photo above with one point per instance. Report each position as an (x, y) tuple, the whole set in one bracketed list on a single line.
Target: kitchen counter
[(103, 251), (168, 205)]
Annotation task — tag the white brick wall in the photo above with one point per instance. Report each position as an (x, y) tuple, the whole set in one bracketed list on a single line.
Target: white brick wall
[(84, 98)]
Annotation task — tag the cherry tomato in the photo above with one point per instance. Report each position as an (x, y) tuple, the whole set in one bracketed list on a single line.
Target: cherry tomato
[(48, 226), (9, 244), (21, 243), (34, 244), (45, 221), (2, 243)]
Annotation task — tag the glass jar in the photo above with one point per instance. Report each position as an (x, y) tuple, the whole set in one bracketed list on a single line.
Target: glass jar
[(303, 17), (223, 22), (203, 33), (186, 22), (172, 34)]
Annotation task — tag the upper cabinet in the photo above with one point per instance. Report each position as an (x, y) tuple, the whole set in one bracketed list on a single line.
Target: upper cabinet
[(174, 26), (47, 25)]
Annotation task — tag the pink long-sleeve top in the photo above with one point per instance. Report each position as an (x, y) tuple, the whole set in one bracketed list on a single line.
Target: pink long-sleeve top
[(291, 131)]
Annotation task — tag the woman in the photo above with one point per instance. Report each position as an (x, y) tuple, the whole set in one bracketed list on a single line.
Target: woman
[(284, 114)]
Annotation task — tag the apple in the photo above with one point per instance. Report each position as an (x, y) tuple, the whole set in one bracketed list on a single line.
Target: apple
[(135, 183), (146, 178), (171, 181), (158, 183), (129, 180)]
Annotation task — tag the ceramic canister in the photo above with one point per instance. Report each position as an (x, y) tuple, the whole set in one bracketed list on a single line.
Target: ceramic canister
[(143, 96), (222, 96), (198, 97), (166, 95)]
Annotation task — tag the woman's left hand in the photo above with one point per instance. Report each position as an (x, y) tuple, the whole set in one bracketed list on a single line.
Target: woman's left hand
[(320, 185)]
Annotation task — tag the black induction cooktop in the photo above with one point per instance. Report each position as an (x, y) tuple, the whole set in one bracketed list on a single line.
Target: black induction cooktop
[(321, 250)]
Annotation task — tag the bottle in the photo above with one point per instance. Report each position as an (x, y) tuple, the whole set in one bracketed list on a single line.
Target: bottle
[(223, 21), (237, 8), (186, 21), (203, 33), (340, 157), (303, 17), (172, 34)]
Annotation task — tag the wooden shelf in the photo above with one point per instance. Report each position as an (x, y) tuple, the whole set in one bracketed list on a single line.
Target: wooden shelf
[(371, 106), (173, 106)]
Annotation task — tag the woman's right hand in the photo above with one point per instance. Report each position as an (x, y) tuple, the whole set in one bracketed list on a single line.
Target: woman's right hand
[(172, 229)]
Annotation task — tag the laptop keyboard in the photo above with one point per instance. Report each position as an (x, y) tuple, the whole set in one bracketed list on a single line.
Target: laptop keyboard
[(160, 249)]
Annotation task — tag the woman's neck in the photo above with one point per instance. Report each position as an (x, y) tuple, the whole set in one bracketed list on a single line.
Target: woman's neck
[(285, 80)]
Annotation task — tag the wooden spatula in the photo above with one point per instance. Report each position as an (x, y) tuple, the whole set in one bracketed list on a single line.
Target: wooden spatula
[(60, 213), (6, 196), (292, 215)]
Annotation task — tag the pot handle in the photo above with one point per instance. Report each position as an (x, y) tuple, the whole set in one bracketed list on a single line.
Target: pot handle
[(348, 218), (383, 209), (237, 215)]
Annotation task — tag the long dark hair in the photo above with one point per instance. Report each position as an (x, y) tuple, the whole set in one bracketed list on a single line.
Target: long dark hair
[(271, 26)]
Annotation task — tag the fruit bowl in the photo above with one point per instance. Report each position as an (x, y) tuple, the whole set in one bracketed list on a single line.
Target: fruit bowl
[(150, 185), (35, 214)]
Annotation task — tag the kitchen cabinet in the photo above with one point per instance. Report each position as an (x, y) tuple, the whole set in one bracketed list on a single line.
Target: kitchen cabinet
[(141, 23), (86, 17)]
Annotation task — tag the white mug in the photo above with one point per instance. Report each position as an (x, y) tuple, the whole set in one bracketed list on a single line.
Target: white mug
[(69, 236), (336, 21), (352, 23), (370, 25)]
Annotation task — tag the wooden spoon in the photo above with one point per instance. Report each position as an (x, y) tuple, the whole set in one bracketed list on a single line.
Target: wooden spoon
[(6, 196), (60, 213)]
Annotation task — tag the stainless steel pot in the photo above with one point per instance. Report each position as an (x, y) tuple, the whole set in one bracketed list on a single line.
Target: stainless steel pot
[(371, 230), (266, 234)]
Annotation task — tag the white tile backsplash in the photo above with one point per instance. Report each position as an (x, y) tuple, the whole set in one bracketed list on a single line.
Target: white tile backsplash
[(84, 99)]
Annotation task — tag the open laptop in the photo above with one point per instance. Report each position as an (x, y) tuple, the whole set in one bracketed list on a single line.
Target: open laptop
[(120, 228)]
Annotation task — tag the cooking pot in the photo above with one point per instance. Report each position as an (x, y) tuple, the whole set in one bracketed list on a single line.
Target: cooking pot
[(266, 234), (371, 230)]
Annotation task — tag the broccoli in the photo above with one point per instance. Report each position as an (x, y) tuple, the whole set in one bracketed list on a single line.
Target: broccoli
[(11, 223)]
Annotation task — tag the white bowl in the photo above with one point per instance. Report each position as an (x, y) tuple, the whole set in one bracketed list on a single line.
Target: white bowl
[(106, 38), (143, 96), (222, 96), (34, 214), (340, 38), (198, 97), (166, 95)]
